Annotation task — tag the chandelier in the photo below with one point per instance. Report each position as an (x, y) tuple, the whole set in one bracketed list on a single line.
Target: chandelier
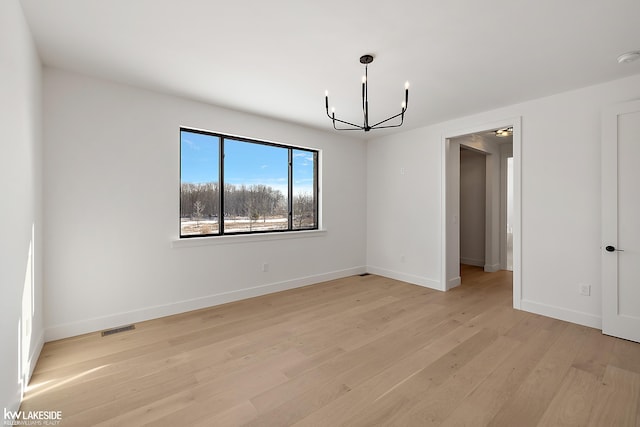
[(366, 60)]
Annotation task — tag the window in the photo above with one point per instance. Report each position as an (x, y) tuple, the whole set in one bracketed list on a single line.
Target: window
[(231, 185)]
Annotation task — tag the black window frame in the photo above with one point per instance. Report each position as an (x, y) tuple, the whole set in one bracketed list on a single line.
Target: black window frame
[(221, 186)]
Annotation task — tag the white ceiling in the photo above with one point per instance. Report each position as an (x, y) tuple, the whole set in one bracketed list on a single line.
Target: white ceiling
[(276, 58)]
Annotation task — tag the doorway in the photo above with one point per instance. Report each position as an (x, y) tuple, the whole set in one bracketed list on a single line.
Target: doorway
[(473, 203), (502, 231)]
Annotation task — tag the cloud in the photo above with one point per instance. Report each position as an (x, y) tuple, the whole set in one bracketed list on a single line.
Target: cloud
[(192, 145), (305, 154)]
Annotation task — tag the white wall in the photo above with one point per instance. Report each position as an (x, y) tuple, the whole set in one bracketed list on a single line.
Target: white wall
[(403, 207), (21, 334), (111, 197), (560, 192), (472, 207)]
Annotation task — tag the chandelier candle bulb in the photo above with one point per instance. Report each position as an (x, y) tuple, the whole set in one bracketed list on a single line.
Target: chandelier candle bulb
[(406, 95)]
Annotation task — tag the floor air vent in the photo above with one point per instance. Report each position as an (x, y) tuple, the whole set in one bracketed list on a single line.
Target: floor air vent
[(118, 330)]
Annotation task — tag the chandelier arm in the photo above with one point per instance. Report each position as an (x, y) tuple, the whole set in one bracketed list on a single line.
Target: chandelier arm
[(377, 125), (354, 128), (332, 116), (333, 119), (390, 126), (346, 123)]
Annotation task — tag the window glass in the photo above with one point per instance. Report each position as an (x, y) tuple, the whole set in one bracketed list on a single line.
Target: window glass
[(256, 187), (199, 184), (304, 193)]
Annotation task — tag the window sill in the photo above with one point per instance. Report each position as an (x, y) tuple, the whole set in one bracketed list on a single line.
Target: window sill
[(244, 238)]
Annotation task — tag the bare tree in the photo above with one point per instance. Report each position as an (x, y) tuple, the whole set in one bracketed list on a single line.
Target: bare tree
[(303, 210), (198, 210), (200, 200)]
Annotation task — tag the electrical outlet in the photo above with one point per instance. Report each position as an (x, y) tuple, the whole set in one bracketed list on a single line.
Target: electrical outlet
[(265, 267), (402, 258), (585, 290)]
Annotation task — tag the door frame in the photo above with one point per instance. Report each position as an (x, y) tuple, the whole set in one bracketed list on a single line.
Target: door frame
[(449, 210), (505, 154)]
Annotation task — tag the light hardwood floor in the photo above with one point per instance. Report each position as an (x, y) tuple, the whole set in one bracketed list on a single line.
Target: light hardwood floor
[(359, 351)]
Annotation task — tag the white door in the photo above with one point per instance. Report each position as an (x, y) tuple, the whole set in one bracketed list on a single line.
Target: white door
[(621, 221)]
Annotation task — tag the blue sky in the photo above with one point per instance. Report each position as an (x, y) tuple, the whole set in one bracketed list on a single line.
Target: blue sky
[(245, 163)]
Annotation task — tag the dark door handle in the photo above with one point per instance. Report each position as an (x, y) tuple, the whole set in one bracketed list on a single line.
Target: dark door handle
[(613, 249)]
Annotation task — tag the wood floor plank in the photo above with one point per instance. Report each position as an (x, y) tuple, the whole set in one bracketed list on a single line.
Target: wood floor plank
[(389, 409), (484, 402), (624, 355), (618, 398), (572, 402), (353, 367), (364, 395), (596, 352), (533, 396), (238, 415), (350, 352), (437, 403), (150, 413)]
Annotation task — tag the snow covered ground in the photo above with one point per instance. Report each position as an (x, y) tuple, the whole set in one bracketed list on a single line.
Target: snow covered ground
[(232, 225)]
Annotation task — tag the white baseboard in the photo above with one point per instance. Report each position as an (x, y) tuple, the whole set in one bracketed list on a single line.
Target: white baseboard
[(409, 278), (66, 330), (491, 268), (21, 383), (578, 317), (35, 354), (472, 261), (452, 283)]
